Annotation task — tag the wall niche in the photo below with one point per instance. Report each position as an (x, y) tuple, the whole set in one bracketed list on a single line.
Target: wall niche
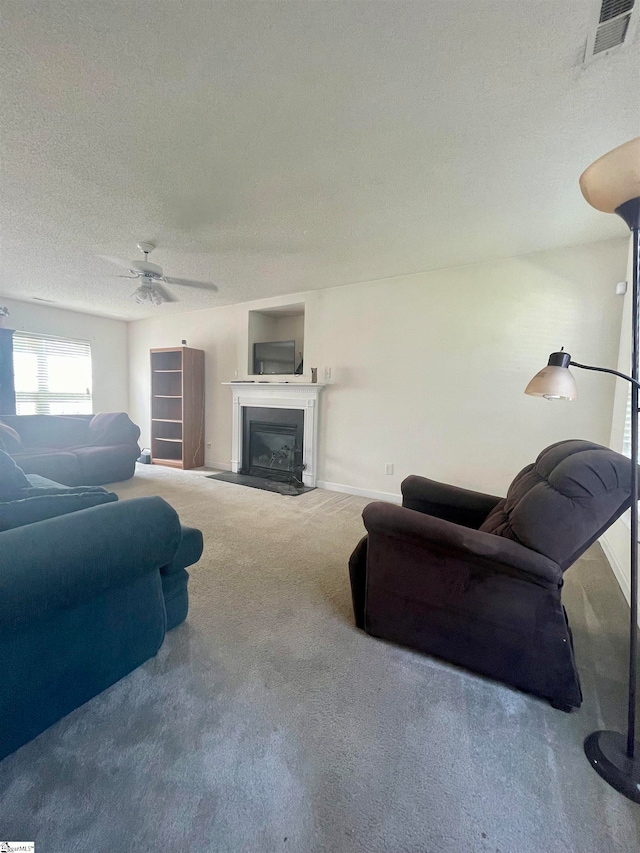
[(276, 341)]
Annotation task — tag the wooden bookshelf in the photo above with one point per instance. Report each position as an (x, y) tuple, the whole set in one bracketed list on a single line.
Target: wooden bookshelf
[(177, 407)]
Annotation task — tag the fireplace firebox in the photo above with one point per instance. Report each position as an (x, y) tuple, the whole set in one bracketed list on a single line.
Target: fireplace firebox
[(272, 443)]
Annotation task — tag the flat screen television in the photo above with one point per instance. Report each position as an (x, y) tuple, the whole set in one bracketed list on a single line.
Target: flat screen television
[(274, 357)]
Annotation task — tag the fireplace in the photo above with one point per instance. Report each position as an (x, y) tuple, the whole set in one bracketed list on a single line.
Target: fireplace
[(299, 399), (273, 443)]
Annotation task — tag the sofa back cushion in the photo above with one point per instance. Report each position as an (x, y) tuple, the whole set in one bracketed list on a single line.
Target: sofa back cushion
[(50, 430), (563, 502)]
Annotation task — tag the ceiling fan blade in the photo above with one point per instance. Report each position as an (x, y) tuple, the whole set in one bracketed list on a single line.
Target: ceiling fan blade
[(128, 276), (186, 282)]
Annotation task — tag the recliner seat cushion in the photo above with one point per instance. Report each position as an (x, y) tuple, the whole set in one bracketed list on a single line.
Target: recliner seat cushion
[(564, 501)]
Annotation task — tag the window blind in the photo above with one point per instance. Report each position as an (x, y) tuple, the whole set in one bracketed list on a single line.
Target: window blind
[(52, 375), (626, 436)]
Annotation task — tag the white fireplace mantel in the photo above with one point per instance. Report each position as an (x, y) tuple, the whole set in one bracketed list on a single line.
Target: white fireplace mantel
[(279, 395)]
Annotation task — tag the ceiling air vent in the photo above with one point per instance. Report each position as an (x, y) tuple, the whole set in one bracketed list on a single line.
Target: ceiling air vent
[(615, 27)]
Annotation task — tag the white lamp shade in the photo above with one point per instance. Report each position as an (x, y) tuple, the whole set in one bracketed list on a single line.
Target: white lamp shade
[(554, 383), (614, 178)]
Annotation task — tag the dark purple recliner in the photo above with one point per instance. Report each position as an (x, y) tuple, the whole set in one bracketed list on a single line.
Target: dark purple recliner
[(476, 579)]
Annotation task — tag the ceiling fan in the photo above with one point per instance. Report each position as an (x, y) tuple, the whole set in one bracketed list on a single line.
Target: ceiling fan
[(151, 279)]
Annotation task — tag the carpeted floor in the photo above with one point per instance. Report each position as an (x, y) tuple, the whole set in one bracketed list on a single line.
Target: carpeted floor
[(268, 723)]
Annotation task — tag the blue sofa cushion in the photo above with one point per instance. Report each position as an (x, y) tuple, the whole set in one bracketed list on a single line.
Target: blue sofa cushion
[(50, 431), (12, 478), (102, 464), (112, 428), (37, 503), (59, 465)]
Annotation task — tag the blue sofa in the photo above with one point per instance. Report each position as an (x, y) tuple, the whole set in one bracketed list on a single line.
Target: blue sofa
[(85, 598), (73, 449)]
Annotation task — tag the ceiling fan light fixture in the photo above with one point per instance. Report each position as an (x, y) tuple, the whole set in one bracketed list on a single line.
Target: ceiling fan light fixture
[(146, 294)]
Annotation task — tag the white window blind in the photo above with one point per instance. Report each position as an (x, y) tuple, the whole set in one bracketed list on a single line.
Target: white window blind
[(52, 375), (626, 436)]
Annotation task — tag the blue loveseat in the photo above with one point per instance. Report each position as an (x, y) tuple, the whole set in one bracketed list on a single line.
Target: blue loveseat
[(85, 598)]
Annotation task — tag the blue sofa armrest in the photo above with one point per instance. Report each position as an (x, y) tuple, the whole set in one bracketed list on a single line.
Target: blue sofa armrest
[(175, 577), (189, 551), (63, 561)]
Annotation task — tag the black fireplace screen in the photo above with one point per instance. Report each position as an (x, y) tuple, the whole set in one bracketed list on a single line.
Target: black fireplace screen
[(272, 443), (273, 448)]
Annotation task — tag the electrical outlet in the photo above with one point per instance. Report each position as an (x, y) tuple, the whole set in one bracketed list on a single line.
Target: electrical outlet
[(208, 444), (621, 288), (388, 468), (327, 373)]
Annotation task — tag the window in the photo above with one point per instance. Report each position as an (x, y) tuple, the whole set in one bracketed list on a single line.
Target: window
[(52, 375)]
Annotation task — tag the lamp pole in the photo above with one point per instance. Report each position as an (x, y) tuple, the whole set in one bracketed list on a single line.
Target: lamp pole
[(634, 224), (615, 758), (612, 185)]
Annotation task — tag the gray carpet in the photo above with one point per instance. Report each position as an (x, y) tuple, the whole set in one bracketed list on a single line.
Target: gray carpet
[(267, 722)]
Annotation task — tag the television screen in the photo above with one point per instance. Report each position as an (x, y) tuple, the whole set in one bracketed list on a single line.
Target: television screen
[(274, 357)]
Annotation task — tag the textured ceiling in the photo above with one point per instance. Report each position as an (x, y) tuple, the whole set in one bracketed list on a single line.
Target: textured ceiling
[(276, 147)]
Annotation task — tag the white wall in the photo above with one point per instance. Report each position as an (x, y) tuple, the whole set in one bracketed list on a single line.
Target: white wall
[(616, 541), (292, 329), (428, 370), (109, 354), (261, 328)]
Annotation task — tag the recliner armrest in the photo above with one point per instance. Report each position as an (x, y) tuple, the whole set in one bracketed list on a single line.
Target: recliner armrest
[(468, 544), (441, 500), (61, 562)]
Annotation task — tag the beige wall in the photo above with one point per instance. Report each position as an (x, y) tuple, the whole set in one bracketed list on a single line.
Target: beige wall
[(428, 370), (109, 355)]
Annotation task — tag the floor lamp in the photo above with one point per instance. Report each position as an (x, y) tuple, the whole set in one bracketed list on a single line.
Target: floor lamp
[(612, 185)]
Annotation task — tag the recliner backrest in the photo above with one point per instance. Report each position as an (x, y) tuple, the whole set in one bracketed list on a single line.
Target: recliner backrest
[(563, 502)]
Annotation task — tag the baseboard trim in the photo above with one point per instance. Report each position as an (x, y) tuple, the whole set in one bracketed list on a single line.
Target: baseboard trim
[(616, 568), (221, 466), (390, 497)]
